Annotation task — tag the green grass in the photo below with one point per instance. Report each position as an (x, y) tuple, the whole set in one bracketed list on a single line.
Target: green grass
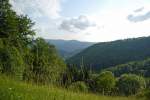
[(13, 90)]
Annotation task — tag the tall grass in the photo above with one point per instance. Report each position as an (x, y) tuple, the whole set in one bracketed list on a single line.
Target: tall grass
[(14, 90)]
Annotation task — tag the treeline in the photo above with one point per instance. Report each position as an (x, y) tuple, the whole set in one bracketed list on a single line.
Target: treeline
[(141, 68), (104, 83), (22, 56)]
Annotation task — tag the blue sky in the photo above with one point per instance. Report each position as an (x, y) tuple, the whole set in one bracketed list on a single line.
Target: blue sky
[(73, 8), (87, 20)]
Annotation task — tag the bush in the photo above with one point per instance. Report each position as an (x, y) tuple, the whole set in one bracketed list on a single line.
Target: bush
[(105, 82), (147, 83), (130, 84), (11, 62), (147, 95), (44, 64), (78, 87)]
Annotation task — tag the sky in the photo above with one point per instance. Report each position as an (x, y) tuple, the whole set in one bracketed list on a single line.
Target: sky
[(87, 20)]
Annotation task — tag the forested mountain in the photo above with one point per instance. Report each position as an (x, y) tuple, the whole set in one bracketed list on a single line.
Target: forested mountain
[(68, 48), (103, 55), (141, 68)]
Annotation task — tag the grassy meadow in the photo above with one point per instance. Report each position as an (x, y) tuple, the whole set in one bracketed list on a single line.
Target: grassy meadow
[(15, 90)]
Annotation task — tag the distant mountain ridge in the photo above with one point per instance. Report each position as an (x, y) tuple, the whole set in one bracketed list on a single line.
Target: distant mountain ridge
[(68, 48), (106, 54)]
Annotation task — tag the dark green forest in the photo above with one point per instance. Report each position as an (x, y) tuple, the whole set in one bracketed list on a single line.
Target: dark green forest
[(33, 60), (104, 55), (141, 68)]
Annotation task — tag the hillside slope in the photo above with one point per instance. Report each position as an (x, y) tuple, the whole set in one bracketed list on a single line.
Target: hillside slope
[(68, 48), (103, 55), (13, 90), (141, 68)]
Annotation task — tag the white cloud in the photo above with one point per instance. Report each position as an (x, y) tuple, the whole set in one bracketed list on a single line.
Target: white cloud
[(113, 25), (45, 13), (139, 10), (37, 8), (109, 23), (79, 23), (139, 18), (139, 15)]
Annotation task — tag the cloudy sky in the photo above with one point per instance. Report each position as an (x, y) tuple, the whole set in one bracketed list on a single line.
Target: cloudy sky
[(87, 20)]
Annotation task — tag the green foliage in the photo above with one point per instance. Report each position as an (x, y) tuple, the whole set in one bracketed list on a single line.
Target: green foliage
[(45, 66), (8, 26), (84, 73), (141, 68), (70, 75), (147, 83), (78, 87), (107, 54), (13, 90), (22, 57), (15, 28), (147, 94), (105, 82), (11, 62), (130, 84), (73, 74), (15, 31)]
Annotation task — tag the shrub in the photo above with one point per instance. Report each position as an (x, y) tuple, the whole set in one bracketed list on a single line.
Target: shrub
[(105, 82), (147, 95), (11, 62), (44, 64), (147, 83), (130, 84), (78, 87)]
